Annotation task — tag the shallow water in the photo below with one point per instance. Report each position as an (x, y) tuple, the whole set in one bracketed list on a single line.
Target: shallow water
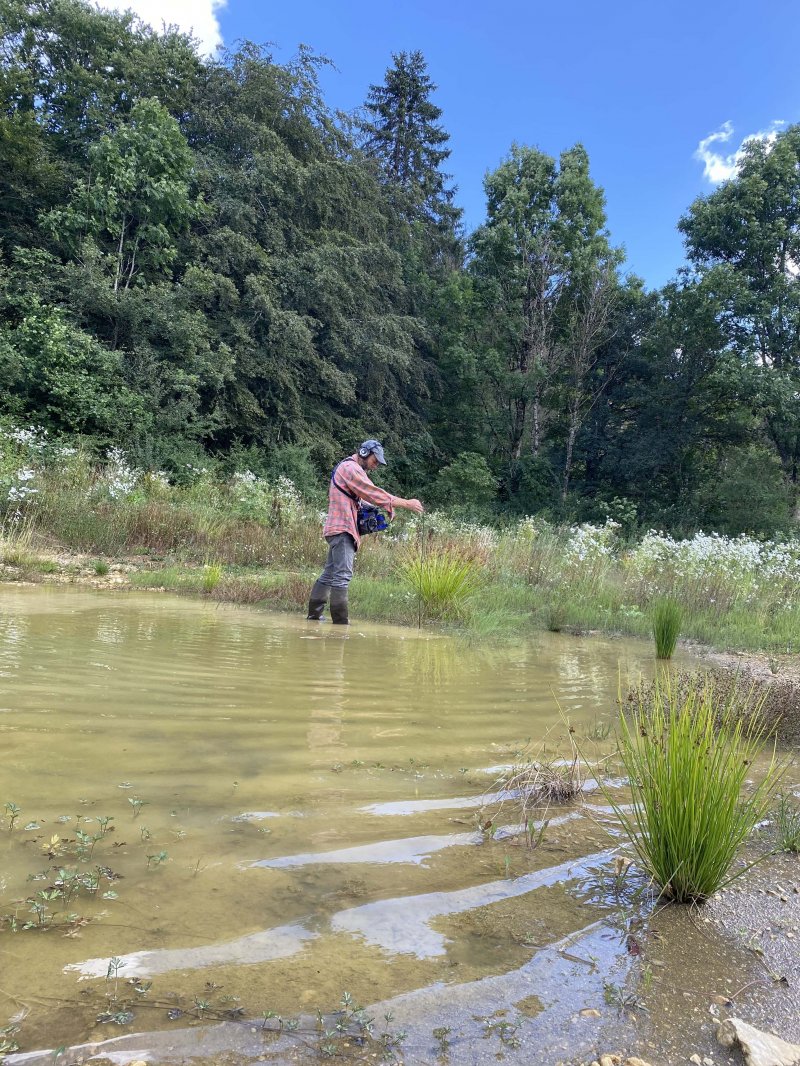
[(303, 822)]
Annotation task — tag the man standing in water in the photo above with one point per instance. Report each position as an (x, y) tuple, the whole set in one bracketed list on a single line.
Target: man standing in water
[(350, 484)]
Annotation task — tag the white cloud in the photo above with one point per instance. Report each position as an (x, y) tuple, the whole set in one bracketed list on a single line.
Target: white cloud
[(719, 167), (198, 17)]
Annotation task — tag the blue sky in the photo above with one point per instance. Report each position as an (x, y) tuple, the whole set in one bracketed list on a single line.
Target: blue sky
[(639, 84)]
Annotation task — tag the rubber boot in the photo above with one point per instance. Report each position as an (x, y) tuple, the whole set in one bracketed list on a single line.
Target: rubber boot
[(339, 615), (317, 601)]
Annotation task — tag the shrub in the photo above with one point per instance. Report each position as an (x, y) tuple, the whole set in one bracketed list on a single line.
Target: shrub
[(687, 755), (467, 481), (666, 618)]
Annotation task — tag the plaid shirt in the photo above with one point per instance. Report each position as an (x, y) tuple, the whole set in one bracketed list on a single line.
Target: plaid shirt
[(342, 510)]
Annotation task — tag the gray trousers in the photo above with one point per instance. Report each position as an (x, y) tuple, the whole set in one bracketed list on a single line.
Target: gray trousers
[(339, 564)]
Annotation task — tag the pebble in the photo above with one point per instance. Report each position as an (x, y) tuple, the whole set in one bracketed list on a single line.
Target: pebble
[(696, 1060), (615, 1060)]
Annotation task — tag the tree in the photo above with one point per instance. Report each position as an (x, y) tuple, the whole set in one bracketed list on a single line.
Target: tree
[(403, 133), (676, 411), (543, 270), (466, 483), (744, 241), (58, 376), (589, 316), (80, 70), (297, 268), (135, 200)]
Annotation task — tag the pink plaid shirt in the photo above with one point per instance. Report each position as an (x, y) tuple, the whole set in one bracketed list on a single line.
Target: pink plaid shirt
[(342, 511)]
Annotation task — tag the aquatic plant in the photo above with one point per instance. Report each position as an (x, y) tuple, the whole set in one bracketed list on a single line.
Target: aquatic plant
[(787, 825), (212, 575), (666, 617), (688, 756), (532, 784), (8, 1045), (13, 812), (443, 579), (542, 782)]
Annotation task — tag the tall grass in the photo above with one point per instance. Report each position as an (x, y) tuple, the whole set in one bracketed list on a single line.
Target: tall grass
[(442, 579), (666, 616), (688, 755)]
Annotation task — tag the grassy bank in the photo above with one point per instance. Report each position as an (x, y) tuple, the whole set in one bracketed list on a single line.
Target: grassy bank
[(249, 540)]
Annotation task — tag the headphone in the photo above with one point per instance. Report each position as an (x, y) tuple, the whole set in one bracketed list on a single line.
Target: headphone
[(364, 452)]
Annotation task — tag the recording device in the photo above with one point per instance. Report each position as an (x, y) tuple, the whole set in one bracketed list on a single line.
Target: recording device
[(370, 519)]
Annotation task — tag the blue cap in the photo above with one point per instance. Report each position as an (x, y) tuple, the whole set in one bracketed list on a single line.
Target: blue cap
[(372, 447)]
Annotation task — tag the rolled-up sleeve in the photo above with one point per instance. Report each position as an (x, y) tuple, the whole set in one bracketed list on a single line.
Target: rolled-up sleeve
[(359, 484)]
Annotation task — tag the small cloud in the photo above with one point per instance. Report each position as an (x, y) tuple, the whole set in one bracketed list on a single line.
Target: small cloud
[(198, 17), (719, 167)]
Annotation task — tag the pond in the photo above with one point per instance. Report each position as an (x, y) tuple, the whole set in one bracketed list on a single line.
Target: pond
[(220, 811)]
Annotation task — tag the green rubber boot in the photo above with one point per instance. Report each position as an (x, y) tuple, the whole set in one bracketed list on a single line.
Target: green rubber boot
[(318, 599), (339, 613)]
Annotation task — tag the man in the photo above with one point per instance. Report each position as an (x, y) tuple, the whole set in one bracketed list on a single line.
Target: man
[(350, 483)]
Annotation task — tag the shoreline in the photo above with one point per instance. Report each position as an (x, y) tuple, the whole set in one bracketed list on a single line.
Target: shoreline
[(79, 568)]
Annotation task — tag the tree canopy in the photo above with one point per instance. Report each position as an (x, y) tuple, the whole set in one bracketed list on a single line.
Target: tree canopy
[(199, 259)]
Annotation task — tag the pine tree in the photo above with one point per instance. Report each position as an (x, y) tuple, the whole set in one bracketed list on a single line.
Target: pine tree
[(403, 133)]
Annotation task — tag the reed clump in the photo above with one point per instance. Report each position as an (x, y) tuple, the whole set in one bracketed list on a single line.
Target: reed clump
[(442, 578), (667, 617), (533, 784), (787, 825), (688, 755), (212, 575)]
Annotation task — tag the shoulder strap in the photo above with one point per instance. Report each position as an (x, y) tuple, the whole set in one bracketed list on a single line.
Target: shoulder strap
[(352, 495)]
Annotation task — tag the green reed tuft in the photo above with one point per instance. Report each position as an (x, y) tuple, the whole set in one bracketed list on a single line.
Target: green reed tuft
[(787, 825), (667, 616), (212, 575), (442, 578), (688, 754)]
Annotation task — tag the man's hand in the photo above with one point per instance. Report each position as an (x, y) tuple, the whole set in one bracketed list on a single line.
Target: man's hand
[(413, 505)]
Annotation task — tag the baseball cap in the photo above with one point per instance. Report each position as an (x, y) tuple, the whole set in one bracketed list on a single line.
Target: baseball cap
[(372, 447)]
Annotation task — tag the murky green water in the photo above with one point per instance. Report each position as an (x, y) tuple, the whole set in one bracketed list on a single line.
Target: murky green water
[(293, 816)]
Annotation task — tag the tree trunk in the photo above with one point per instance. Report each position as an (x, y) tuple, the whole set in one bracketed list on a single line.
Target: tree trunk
[(573, 433)]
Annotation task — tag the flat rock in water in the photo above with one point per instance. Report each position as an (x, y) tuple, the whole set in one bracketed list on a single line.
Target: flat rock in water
[(760, 1049)]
